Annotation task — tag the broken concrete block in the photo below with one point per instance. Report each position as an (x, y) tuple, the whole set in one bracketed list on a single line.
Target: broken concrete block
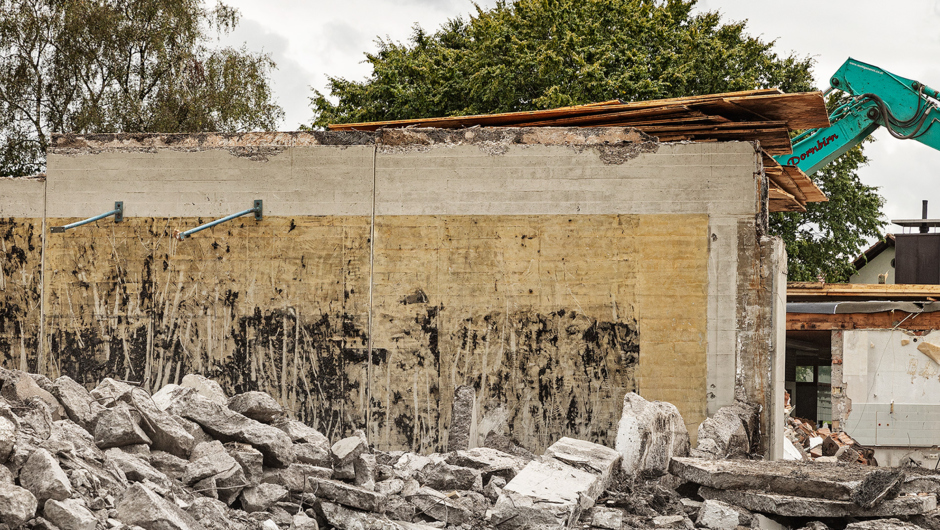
[(346, 450), (206, 387), (344, 518), (17, 505), (6, 476), (439, 506), (69, 513), (138, 450), (7, 438), (109, 390), (44, 478), (251, 460), (784, 478), (847, 454), (399, 509), (501, 442), (140, 506), (882, 524), (256, 405), (295, 477), (607, 518), (586, 456), (67, 437), (672, 521), (445, 477), (300, 432), (791, 506), (314, 454), (193, 428), (170, 465), (79, 405), (877, 486), (392, 486), (18, 386), (731, 432), (134, 468), (364, 470), (205, 449), (648, 435), (230, 484), (348, 495), (463, 422), (488, 461), (207, 488), (494, 487), (165, 397), (548, 493), (409, 465), (261, 497), (212, 464), (228, 425), (164, 431), (717, 515), (119, 426), (213, 514)]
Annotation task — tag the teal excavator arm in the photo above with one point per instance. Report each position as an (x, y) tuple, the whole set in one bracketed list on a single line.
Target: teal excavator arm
[(907, 108)]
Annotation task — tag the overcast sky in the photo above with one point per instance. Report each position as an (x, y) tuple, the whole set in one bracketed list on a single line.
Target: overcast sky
[(310, 39)]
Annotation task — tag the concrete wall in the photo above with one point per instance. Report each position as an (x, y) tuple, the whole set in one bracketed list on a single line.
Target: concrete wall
[(890, 387), (553, 269)]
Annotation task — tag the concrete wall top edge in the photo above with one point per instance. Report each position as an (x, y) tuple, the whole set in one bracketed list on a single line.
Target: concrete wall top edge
[(68, 143), (22, 197), (394, 138)]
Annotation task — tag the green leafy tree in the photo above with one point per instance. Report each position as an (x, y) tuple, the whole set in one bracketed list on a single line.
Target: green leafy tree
[(92, 66), (540, 54)]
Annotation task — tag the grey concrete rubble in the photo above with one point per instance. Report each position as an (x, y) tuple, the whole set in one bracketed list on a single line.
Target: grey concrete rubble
[(463, 420), (731, 433), (649, 434), (190, 458)]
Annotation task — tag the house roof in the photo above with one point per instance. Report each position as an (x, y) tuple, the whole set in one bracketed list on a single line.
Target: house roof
[(873, 251), (767, 116)]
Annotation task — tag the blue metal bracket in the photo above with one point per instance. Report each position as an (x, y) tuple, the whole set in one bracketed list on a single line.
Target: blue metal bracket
[(117, 212), (256, 209)]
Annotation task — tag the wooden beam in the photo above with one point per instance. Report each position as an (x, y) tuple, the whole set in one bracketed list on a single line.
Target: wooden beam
[(885, 320), (823, 292)]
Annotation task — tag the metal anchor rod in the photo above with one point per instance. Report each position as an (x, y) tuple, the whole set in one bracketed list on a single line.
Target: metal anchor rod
[(257, 210), (117, 212)]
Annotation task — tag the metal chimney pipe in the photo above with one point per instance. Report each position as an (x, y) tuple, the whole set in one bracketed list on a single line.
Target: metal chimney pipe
[(924, 228)]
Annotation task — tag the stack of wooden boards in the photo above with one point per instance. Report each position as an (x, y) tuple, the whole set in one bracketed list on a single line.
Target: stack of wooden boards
[(767, 116)]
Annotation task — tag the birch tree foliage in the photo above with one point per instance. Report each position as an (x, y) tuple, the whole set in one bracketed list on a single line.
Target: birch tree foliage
[(96, 66)]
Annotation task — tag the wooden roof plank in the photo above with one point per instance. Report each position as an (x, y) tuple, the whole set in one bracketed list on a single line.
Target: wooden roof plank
[(801, 110), (515, 117)]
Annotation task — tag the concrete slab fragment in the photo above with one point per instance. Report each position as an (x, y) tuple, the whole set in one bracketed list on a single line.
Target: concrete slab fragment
[(586, 456), (826, 481), (791, 506), (546, 493)]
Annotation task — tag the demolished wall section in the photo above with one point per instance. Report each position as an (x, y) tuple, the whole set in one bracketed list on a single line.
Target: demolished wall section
[(553, 271)]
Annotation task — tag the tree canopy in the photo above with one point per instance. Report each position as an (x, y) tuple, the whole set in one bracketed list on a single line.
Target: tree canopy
[(539, 54), (94, 66)]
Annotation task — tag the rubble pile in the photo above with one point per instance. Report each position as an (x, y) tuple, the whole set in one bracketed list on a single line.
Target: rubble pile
[(805, 442), (191, 458)]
